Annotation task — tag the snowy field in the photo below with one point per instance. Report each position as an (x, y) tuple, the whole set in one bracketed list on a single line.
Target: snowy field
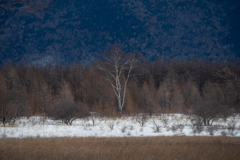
[(135, 126)]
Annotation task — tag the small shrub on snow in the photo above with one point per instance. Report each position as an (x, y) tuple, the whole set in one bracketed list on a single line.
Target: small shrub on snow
[(211, 129), (123, 129), (93, 116), (178, 127), (33, 121), (142, 120), (156, 127), (223, 133), (196, 121), (168, 128), (165, 120), (43, 119), (111, 124), (131, 128), (174, 128), (67, 111), (197, 129), (176, 119), (232, 126)]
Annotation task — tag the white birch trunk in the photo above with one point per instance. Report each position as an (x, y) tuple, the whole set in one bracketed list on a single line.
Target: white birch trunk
[(114, 69)]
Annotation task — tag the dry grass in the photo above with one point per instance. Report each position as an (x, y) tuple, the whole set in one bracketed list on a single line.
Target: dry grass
[(121, 148)]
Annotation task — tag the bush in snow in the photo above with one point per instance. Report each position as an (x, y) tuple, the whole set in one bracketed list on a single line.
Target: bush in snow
[(208, 110), (93, 116), (156, 127), (131, 128), (13, 104), (123, 129), (197, 129), (111, 124), (142, 120), (67, 111), (211, 129), (165, 120), (232, 125)]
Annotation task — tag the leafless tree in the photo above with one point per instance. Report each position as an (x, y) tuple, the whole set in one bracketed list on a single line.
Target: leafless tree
[(65, 108), (94, 116), (148, 97), (141, 119), (13, 104), (118, 67), (67, 111), (232, 125), (169, 93), (157, 127), (208, 110)]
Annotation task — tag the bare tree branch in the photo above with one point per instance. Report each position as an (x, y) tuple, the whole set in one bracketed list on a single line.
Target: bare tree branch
[(114, 64)]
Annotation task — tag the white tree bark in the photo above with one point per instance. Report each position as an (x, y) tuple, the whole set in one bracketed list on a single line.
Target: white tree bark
[(114, 64)]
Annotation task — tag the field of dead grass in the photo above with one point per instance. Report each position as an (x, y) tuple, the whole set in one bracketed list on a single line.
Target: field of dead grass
[(214, 148)]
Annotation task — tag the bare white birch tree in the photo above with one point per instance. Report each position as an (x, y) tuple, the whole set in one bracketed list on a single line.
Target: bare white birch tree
[(117, 67)]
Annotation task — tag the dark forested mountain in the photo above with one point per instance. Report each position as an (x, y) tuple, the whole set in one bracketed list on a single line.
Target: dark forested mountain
[(48, 30)]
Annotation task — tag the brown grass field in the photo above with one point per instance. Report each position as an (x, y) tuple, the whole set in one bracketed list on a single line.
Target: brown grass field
[(181, 148)]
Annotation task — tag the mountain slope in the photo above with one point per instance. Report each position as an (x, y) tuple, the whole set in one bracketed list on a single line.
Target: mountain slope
[(80, 30)]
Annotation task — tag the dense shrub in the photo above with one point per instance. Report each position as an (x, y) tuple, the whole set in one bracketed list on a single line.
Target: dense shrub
[(68, 111)]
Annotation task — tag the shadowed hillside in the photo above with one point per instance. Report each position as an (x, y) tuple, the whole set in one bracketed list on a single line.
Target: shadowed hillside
[(80, 30)]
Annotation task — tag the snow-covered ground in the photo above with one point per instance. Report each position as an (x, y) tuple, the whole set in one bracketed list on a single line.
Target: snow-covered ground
[(135, 126)]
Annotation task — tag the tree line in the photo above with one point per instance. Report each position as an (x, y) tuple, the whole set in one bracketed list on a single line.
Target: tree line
[(68, 91)]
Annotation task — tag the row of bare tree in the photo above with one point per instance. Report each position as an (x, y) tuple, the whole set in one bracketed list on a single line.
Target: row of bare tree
[(203, 88)]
